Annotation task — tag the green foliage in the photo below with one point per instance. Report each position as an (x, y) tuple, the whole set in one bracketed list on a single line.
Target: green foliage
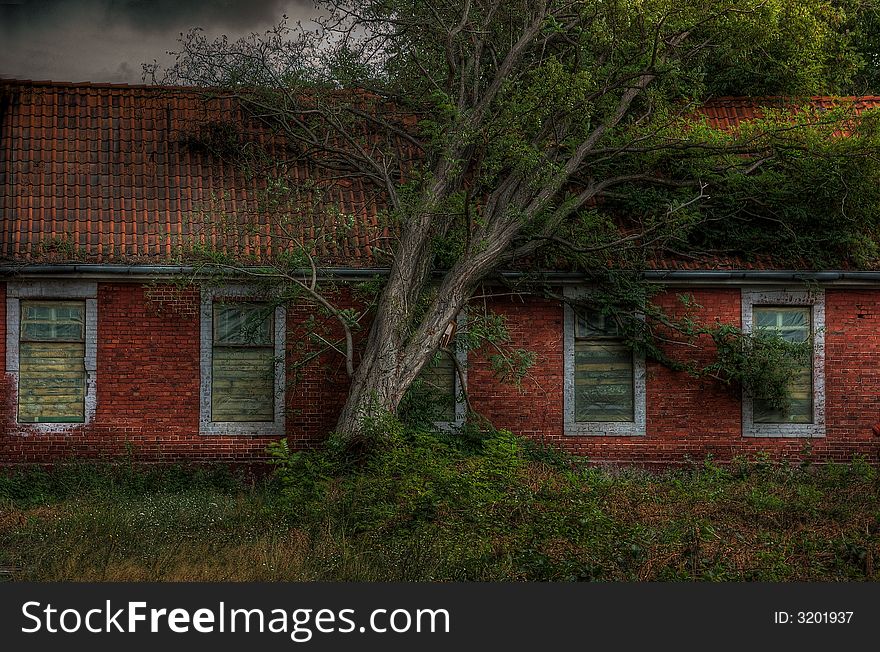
[(76, 479), (439, 506), (795, 48), (761, 363), (814, 190), (543, 136), (424, 403), (734, 195), (488, 331), (513, 365), (302, 475), (221, 139), (60, 248), (407, 481), (558, 90), (506, 509)]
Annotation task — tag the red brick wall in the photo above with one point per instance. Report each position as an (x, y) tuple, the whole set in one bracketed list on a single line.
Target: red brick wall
[(688, 418), (6, 397), (148, 388), (316, 390), (534, 409), (852, 373)]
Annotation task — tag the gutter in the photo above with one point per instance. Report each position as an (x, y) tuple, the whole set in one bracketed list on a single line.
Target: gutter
[(150, 272), (668, 277), (764, 277)]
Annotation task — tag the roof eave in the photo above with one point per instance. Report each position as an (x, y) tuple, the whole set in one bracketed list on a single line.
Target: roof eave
[(147, 273)]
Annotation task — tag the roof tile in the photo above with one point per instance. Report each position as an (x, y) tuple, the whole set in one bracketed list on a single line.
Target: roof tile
[(106, 168)]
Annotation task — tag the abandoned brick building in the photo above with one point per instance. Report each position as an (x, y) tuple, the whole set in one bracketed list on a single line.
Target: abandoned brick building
[(105, 353)]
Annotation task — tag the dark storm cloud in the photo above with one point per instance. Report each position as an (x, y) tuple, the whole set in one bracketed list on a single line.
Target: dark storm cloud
[(154, 15), (108, 40)]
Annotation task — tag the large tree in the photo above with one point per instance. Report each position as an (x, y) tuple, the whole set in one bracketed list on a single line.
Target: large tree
[(544, 133)]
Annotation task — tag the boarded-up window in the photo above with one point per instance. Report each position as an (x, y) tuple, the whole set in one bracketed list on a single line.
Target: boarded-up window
[(52, 373), (438, 377), (603, 371), (243, 368), (792, 324)]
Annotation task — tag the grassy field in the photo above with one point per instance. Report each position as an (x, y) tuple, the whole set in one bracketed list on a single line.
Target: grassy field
[(424, 506)]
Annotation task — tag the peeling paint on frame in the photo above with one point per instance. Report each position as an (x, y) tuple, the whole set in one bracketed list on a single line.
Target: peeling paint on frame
[(276, 427), (54, 290)]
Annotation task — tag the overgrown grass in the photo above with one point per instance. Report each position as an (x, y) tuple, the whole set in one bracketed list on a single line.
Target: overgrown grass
[(429, 506)]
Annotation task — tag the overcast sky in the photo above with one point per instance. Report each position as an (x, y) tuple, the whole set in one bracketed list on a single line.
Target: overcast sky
[(109, 40)]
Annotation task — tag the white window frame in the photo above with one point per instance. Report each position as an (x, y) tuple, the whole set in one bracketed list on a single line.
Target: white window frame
[(571, 427), (18, 291), (276, 427), (815, 300), (461, 356)]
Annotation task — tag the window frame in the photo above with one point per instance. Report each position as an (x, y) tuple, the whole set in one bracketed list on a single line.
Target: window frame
[(207, 426), (48, 291), (49, 340), (815, 300), (572, 427), (216, 344), (461, 359)]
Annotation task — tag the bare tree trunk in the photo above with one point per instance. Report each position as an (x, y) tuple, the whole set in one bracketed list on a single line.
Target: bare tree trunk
[(377, 385), (395, 352), (386, 370)]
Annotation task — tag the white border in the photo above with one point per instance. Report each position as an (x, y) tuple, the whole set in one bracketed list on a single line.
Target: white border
[(51, 291), (783, 297), (634, 428), (275, 427)]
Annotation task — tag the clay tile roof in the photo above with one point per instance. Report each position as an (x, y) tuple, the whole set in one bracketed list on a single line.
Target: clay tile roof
[(107, 173), (730, 112)]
